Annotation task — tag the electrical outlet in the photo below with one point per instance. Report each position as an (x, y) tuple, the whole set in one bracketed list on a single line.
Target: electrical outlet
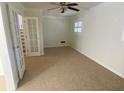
[(62, 42)]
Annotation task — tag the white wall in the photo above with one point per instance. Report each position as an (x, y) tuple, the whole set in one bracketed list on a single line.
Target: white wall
[(101, 36), (55, 29)]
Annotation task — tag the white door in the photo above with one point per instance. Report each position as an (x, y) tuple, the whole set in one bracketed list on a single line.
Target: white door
[(33, 36), (17, 43)]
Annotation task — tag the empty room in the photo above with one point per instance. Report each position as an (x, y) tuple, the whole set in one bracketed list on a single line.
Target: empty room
[(62, 46)]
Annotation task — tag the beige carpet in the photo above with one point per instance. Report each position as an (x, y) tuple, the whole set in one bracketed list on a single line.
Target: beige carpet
[(66, 69), (2, 83)]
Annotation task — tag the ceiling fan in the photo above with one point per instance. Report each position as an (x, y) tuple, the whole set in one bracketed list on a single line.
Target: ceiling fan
[(63, 6)]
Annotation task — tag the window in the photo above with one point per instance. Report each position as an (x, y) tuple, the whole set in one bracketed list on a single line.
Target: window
[(78, 26), (20, 22)]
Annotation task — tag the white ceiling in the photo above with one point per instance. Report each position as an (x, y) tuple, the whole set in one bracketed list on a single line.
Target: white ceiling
[(46, 5)]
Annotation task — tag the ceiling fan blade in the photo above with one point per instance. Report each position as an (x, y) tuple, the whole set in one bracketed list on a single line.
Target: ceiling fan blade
[(53, 8), (62, 3), (73, 9), (72, 4)]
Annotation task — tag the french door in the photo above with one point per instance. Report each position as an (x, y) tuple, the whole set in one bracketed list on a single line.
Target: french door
[(17, 42), (33, 36)]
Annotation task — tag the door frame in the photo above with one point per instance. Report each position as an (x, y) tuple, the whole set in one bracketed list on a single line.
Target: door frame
[(27, 34), (7, 50)]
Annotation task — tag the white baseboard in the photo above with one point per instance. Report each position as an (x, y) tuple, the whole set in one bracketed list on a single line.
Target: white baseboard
[(98, 62), (55, 46)]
